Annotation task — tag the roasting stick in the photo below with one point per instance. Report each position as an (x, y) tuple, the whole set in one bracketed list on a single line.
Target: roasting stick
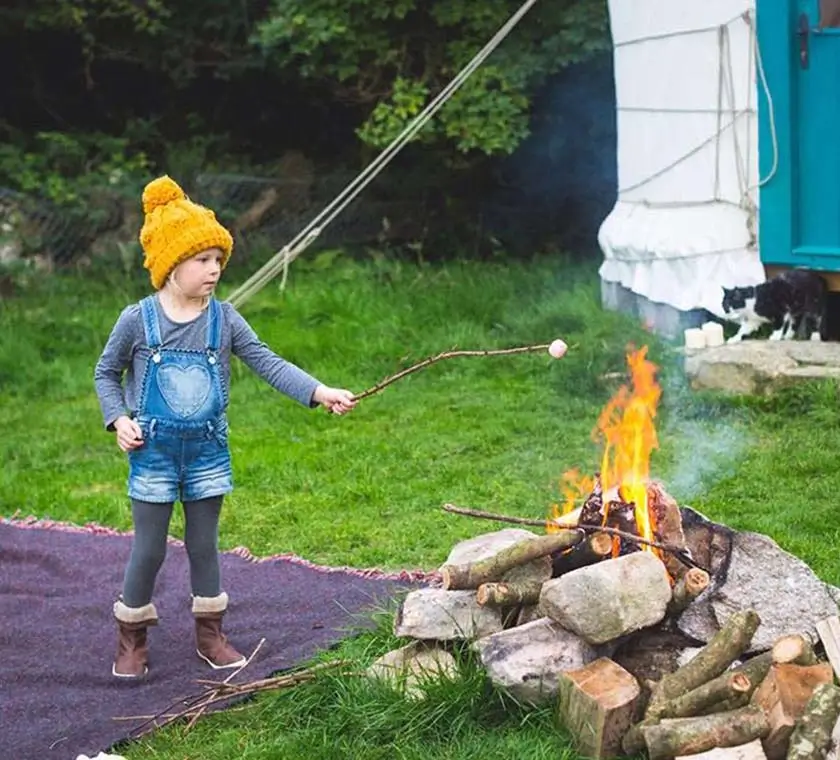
[(682, 555), (557, 348)]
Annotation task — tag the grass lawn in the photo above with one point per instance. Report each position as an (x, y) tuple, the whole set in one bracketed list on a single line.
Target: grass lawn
[(366, 489)]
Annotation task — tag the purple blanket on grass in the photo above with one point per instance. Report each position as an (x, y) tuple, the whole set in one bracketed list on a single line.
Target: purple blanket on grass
[(57, 636)]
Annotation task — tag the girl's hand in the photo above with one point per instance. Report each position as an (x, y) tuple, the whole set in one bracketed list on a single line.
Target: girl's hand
[(336, 400), (129, 434)]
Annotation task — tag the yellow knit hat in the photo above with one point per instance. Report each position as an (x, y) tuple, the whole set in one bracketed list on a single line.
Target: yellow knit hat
[(176, 228)]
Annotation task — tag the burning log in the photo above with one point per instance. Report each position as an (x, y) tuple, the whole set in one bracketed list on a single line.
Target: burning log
[(622, 516), (668, 524), (687, 736), (473, 574), (508, 594), (811, 738), (595, 548), (598, 702), (693, 583), (783, 695), (571, 521), (592, 511)]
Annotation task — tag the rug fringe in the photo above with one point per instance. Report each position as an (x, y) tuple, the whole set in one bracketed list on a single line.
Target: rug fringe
[(412, 576)]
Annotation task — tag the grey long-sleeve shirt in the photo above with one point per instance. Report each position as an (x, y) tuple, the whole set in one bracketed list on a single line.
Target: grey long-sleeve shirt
[(126, 353)]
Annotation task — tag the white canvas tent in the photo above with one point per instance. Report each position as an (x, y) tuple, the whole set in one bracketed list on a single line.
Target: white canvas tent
[(685, 220)]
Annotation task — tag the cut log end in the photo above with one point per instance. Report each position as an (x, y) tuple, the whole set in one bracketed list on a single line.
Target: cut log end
[(794, 649), (696, 581), (595, 548), (740, 683), (692, 583), (600, 544), (598, 703)]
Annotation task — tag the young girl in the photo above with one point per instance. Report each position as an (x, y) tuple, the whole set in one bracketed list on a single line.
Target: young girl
[(170, 417)]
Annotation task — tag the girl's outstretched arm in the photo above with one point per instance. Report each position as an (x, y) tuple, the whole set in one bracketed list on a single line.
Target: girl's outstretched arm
[(280, 374)]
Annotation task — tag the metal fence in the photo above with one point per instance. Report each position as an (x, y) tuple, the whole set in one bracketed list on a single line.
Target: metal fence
[(263, 213)]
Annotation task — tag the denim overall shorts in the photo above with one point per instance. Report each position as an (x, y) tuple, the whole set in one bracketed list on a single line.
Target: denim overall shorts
[(185, 454)]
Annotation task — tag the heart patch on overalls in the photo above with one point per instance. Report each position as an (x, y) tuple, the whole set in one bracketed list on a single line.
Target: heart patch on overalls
[(184, 390)]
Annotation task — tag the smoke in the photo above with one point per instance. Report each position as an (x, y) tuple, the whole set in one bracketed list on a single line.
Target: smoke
[(561, 182), (702, 442), (705, 452)]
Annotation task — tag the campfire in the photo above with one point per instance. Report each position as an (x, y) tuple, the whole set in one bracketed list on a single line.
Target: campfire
[(653, 628)]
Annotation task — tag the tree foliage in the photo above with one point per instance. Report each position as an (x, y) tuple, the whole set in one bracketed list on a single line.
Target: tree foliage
[(177, 38), (98, 94), (386, 58), (391, 56)]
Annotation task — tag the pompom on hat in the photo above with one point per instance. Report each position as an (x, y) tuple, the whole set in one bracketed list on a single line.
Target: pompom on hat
[(175, 229)]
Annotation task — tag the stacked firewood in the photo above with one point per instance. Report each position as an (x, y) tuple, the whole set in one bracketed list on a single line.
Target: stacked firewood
[(783, 700), (780, 704)]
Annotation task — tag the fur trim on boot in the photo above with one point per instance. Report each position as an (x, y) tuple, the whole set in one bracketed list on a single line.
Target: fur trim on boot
[(212, 645), (132, 645), (203, 605)]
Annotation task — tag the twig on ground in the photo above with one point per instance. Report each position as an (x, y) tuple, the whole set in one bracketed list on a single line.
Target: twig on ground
[(221, 691), (223, 684)]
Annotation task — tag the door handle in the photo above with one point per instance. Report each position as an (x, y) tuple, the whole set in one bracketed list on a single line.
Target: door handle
[(804, 33)]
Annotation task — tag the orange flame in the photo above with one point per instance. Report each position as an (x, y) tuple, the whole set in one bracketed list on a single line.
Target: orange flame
[(575, 487), (626, 426)]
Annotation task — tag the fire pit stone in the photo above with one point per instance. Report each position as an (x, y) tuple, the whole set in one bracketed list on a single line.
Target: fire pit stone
[(527, 660), (610, 599)]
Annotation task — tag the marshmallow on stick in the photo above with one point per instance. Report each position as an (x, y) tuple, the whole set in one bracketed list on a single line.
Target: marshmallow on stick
[(557, 349)]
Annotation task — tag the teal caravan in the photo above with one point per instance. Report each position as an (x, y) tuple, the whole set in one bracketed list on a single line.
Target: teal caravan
[(728, 161)]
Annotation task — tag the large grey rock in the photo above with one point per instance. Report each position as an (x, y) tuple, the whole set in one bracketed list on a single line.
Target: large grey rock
[(528, 659), (610, 599), (762, 576), (411, 666), (437, 614), (486, 545), (761, 366)]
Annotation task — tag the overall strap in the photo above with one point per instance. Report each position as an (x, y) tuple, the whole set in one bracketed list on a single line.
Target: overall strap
[(214, 326), (151, 325)]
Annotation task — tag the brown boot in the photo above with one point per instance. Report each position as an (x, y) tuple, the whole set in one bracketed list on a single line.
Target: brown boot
[(211, 644), (132, 649)]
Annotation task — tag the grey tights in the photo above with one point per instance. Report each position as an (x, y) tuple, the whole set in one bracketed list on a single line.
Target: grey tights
[(151, 526)]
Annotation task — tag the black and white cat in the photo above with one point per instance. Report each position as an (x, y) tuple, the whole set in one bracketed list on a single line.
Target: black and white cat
[(793, 302)]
